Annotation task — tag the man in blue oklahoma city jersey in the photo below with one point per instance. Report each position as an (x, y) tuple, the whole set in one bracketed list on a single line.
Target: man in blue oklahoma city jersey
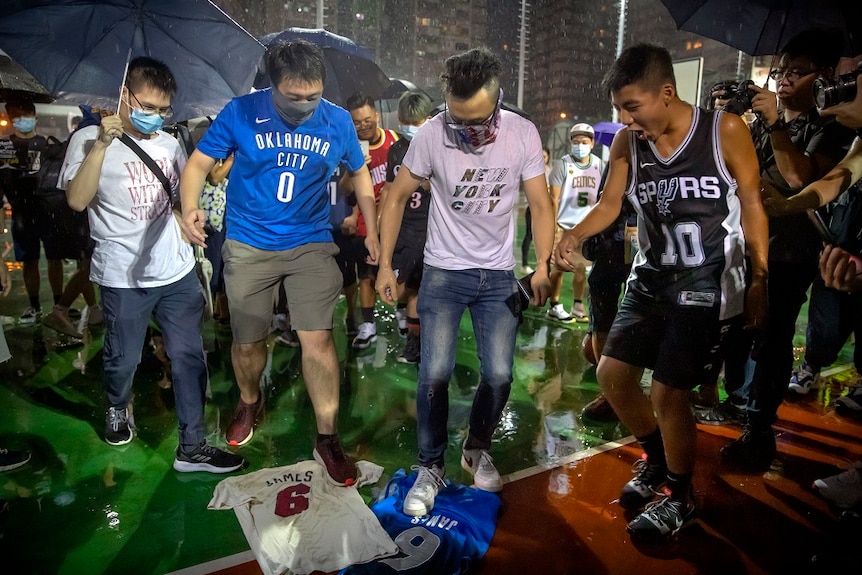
[(287, 142)]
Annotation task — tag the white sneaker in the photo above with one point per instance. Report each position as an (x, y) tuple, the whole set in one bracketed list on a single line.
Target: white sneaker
[(419, 500), (526, 270), (479, 464), (366, 335), (803, 379), (580, 313), (401, 318), (844, 489), (559, 313), (30, 315)]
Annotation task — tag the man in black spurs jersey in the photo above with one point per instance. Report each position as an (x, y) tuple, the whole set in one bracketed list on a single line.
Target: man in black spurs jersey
[(692, 176)]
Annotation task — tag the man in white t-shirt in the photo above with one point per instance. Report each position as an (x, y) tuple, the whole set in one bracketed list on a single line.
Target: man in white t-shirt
[(574, 181), (141, 263), (475, 156)]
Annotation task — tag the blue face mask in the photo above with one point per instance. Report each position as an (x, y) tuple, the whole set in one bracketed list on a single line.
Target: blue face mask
[(25, 124), (407, 130), (145, 123), (581, 151)]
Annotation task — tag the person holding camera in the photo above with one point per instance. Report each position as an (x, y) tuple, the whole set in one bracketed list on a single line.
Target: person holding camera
[(795, 146), (836, 295)]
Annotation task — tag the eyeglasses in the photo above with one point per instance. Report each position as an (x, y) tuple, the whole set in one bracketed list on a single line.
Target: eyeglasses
[(791, 75), (363, 123), (457, 125), (165, 113)]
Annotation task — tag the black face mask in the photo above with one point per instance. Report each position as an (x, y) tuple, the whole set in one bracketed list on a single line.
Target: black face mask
[(294, 113)]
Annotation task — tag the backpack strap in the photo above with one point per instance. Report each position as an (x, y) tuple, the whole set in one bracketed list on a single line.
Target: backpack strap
[(150, 163)]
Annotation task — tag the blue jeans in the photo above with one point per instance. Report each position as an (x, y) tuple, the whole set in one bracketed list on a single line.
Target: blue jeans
[(493, 300), (178, 311)]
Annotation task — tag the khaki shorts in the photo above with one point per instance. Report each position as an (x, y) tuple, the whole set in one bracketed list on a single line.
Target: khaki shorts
[(312, 282), (578, 258)]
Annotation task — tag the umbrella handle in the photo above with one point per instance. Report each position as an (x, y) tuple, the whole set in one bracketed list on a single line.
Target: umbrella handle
[(123, 83)]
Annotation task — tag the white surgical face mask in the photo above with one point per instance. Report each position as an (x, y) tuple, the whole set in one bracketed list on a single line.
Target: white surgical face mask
[(581, 151), (408, 130)]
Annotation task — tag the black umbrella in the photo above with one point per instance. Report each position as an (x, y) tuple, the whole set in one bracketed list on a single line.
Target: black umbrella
[(16, 83), (350, 68), (78, 49), (762, 27)]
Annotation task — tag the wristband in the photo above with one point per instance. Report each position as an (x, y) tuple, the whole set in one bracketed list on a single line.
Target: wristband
[(777, 126)]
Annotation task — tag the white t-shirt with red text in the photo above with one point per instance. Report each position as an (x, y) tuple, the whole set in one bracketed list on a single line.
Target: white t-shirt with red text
[(138, 241)]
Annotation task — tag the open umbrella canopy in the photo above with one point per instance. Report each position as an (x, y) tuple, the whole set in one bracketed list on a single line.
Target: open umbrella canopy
[(18, 84), (605, 131), (350, 68), (398, 86), (762, 27), (78, 49)]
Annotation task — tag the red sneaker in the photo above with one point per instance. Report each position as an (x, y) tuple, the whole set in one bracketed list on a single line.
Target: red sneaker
[(340, 468), (241, 429)]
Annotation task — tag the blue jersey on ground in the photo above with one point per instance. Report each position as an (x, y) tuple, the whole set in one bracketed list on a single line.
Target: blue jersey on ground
[(278, 192), (446, 542)]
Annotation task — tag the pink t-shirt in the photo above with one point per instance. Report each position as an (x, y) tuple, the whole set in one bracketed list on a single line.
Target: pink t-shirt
[(474, 191)]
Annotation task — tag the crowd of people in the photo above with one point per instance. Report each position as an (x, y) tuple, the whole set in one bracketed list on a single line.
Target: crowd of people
[(690, 250)]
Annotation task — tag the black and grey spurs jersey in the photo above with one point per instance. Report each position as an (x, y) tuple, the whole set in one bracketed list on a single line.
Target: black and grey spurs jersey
[(689, 224)]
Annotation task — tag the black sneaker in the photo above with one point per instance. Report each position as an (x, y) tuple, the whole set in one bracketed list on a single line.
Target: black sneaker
[(205, 457), (599, 409), (412, 351), (754, 450), (118, 428), (662, 518), (10, 459), (645, 485)]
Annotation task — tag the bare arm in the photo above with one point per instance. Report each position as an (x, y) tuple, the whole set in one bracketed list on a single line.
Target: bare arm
[(824, 190), (81, 189), (191, 185), (741, 160), (364, 190), (391, 214), (544, 220), (797, 168)]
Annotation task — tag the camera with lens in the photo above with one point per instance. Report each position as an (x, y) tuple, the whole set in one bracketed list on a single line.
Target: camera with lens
[(831, 91), (740, 98)]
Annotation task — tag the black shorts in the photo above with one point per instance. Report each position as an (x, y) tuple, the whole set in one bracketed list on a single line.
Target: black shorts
[(684, 346), (46, 219), (606, 280), (344, 258), (407, 263)]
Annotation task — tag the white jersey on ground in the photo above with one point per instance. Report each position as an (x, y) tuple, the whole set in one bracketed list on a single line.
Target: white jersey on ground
[(295, 519), (138, 240), (474, 191)]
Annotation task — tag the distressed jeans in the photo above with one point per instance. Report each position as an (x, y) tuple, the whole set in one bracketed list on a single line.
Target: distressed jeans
[(493, 300)]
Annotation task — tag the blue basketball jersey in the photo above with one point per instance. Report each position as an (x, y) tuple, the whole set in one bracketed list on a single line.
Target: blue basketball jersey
[(278, 192), (455, 534)]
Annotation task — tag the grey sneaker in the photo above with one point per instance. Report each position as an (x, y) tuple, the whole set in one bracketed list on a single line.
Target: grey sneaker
[(58, 319), (844, 489), (118, 427), (479, 464), (662, 518), (645, 485), (852, 401), (419, 500)]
